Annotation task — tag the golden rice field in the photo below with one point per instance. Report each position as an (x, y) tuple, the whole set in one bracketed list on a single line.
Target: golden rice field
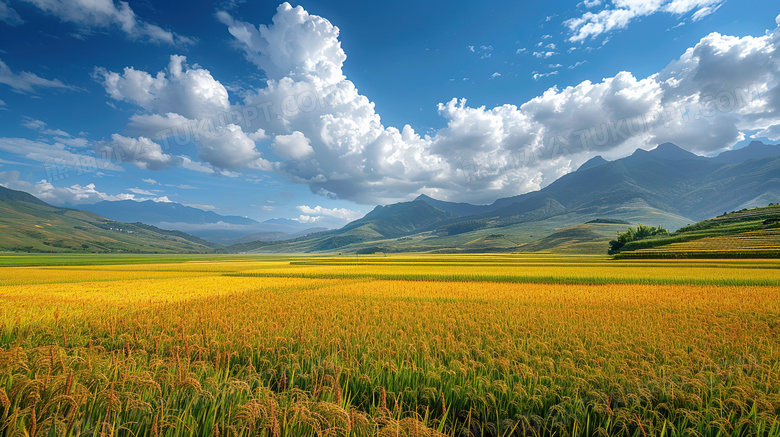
[(482, 345)]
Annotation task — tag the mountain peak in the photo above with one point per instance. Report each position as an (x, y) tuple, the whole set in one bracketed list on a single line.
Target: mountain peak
[(423, 197), (672, 152), (593, 162)]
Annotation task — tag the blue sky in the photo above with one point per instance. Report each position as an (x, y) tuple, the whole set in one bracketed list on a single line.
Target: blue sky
[(318, 111)]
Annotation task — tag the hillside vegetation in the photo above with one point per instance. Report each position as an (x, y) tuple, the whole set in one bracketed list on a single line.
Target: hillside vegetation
[(28, 224), (748, 233)]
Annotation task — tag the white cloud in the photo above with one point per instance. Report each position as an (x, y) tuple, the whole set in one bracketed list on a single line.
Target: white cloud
[(545, 55), (340, 213), (297, 45), (307, 219), (293, 146), (56, 156), (232, 150), (26, 81), (75, 194), (9, 16), (141, 152), (329, 136), (495, 75), (103, 14), (189, 92), (140, 191), (622, 12), (482, 153), (151, 181), (196, 109), (40, 126), (201, 206), (538, 76), (199, 167), (182, 186)]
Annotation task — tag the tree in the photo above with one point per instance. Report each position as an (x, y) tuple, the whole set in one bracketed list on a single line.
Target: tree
[(640, 233)]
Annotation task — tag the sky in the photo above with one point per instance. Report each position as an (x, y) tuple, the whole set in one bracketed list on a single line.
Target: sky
[(318, 111)]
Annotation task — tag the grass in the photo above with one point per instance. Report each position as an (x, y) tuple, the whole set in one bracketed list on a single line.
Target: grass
[(396, 345)]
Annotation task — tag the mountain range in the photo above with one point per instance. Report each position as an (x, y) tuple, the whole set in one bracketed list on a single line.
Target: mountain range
[(667, 186), (30, 225), (216, 228)]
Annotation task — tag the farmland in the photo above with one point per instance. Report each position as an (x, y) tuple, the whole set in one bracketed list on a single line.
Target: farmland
[(749, 233), (398, 345)]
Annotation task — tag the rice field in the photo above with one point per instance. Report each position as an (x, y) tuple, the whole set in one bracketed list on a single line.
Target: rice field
[(459, 345)]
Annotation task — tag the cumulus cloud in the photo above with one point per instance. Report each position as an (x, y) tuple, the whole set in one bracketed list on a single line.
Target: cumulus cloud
[(340, 213), (103, 14), (190, 92), (485, 153), (327, 135), (141, 152), (186, 104), (297, 45), (233, 150), (293, 146), (26, 81), (622, 12), (307, 219)]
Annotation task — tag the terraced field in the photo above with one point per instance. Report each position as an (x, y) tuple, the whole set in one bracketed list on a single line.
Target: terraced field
[(753, 233), (757, 244), (398, 345)]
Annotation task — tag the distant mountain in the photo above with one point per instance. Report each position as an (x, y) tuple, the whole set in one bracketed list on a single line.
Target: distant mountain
[(213, 227), (275, 236), (461, 209), (667, 178), (152, 212), (754, 150), (399, 219), (31, 225), (666, 186)]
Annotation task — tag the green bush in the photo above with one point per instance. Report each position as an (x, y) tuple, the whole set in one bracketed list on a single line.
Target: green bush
[(640, 233)]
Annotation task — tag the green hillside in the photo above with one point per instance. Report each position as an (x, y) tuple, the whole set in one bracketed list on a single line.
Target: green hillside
[(28, 224), (748, 233), (447, 235), (589, 237)]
